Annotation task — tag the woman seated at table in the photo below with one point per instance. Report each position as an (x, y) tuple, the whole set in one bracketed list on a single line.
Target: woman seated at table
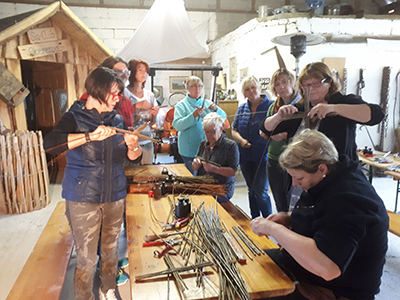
[(336, 236), (217, 155)]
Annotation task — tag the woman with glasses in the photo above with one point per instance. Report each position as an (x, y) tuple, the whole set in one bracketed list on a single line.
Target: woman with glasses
[(334, 242), (217, 155), (124, 106), (253, 148), (188, 119), (94, 184), (331, 113), (145, 105), (282, 85)]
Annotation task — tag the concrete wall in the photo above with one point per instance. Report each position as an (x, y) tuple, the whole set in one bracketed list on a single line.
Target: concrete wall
[(114, 21), (249, 41)]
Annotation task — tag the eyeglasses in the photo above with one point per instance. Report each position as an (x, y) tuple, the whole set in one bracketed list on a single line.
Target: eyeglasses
[(122, 73), (315, 84), (196, 86), (119, 96), (209, 131), (284, 82)]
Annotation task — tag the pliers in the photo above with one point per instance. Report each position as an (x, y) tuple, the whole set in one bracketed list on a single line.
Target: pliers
[(177, 224), (169, 246)]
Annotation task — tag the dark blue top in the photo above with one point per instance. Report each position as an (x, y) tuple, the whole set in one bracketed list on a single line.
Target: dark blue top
[(348, 222), (94, 171), (248, 127)]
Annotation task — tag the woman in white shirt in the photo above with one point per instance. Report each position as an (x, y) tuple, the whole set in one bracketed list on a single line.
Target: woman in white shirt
[(145, 105)]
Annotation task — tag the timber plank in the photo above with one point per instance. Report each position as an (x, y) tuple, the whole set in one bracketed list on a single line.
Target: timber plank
[(43, 274)]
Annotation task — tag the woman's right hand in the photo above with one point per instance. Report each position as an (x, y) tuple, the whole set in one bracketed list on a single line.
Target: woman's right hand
[(286, 110), (245, 143), (282, 218), (198, 112), (101, 133), (196, 164)]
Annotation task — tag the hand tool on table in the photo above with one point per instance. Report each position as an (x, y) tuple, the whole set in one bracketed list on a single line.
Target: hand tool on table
[(177, 224), (171, 242), (159, 254), (154, 237)]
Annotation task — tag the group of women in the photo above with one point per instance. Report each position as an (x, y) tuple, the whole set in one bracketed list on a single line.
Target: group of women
[(334, 238)]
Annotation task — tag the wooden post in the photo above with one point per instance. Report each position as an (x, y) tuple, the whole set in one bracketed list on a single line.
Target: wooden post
[(20, 191), (39, 169), (33, 170), (14, 206), (44, 168), (25, 165)]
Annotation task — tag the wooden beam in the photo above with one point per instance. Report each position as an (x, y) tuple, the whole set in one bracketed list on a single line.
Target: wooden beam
[(29, 22)]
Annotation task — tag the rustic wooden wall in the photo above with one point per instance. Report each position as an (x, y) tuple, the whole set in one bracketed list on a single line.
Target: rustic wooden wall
[(77, 61)]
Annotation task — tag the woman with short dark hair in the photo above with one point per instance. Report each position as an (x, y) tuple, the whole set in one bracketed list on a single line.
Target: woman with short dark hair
[(94, 184)]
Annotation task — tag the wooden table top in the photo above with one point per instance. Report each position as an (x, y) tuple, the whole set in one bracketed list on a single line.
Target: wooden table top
[(262, 276), (372, 161)]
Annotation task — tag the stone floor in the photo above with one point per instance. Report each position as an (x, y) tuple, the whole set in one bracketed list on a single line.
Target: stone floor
[(19, 233)]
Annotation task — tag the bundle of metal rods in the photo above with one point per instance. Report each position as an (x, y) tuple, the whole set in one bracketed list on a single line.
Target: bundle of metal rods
[(205, 238)]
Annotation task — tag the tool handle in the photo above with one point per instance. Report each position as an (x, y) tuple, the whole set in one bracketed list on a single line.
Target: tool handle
[(153, 237), (150, 244)]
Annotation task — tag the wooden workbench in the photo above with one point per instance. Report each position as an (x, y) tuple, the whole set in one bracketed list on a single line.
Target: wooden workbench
[(262, 276)]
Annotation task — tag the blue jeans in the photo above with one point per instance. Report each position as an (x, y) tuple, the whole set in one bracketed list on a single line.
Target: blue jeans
[(188, 163), (257, 185)]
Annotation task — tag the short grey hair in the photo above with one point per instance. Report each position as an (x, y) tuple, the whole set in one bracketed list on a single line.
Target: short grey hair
[(213, 119), (307, 151), (192, 79)]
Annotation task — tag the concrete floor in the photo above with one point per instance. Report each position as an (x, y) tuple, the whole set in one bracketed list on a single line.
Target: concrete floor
[(19, 233)]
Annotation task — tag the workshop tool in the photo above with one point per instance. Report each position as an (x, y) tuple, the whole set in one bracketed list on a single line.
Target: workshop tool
[(360, 83), (171, 242), (237, 241), (159, 254), (154, 237), (177, 224), (384, 104), (234, 247)]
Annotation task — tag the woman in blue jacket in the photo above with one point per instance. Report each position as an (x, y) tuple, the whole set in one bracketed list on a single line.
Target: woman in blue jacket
[(188, 119), (94, 183), (253, 148)]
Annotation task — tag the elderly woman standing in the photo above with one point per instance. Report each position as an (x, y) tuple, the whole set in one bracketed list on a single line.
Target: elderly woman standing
[(332, 113), (253, 148), (336, 236), (217, 149), (188, 119), (282, 85), (94, 184)]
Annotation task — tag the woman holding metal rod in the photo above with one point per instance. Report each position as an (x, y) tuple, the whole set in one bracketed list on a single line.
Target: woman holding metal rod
[(331, 113), (217, 155), (94, 184), (334, 242), (188, 119)]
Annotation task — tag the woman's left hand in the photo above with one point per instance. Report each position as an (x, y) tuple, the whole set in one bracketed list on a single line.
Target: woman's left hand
[(213, 107), (321, 110), (154, 111), (261, 226), (131, 140)]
